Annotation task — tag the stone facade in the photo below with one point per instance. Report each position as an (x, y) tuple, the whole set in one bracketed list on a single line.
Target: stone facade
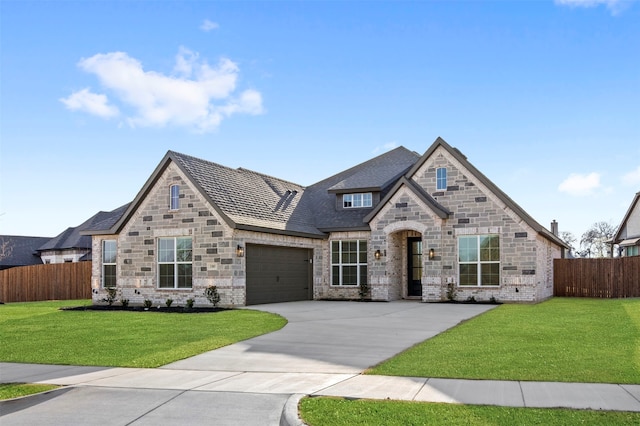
[(526, 259), (468, 206)]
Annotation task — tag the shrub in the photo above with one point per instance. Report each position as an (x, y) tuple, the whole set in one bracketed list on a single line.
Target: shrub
[(452, 291), (111, 295), (212, 295), (190, 304), (168, 302), (124, 302), (147, 304), (363, 291)]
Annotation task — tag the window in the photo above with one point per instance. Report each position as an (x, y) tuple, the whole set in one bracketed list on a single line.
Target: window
[(357, 200), (479, 260), (174, 262), (441, 178), (631, 251), (349, 262), (109, 263), (175, 197)]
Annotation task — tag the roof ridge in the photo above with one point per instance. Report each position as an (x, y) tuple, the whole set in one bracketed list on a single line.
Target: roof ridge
[(348, 172)]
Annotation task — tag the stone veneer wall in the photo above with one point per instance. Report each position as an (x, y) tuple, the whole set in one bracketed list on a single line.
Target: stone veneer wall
[(214, 248), (322, 285), (526, 259)]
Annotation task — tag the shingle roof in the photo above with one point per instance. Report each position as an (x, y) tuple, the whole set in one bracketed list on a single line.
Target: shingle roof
[(250, 199), (22, 250), (377, 174), (77, 237)]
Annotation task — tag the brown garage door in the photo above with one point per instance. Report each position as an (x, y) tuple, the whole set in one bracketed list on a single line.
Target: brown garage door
[(277, 274)]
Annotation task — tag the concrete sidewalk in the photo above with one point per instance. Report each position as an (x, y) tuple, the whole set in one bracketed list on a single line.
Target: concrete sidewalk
[(484, 392)]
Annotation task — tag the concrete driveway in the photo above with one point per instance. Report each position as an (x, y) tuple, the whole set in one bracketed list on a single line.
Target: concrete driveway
[(334, 337), (324, 344)]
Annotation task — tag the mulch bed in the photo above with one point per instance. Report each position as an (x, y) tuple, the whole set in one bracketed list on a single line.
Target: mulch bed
[(161, 309)]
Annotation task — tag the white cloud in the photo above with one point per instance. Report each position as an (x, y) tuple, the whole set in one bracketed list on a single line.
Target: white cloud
[(93, 103), (386, 147), (208, 25), (580, 185), (632, 178), (615, 6), (197, 95)]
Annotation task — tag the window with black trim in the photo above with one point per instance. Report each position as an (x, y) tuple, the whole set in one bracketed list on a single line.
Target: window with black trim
[(348, 262)]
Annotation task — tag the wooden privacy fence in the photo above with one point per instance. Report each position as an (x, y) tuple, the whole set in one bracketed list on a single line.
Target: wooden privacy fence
[(606, 277), (56, 281)]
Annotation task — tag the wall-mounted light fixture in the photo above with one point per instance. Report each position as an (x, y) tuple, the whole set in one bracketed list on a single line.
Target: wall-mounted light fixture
[(432, 254), (240, 251), (377, 255)]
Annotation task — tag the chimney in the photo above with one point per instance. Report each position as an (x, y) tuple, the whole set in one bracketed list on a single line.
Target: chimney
[(554, 227)]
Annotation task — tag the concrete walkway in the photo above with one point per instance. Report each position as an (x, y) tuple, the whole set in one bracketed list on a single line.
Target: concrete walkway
[(322, 351)]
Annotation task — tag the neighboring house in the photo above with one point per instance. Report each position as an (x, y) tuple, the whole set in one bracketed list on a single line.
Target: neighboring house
[(20, 251), (400, 226), (628, 236), (71, 245)]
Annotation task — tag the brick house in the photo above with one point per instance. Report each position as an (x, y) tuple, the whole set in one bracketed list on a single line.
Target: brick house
[(404, 226)]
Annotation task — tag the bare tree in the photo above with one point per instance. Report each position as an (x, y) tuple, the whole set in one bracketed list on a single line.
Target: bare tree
[(596, 241), (569, 239), (6, 248)]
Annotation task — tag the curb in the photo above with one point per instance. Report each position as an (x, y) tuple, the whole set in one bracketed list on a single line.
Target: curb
[(289, 415)]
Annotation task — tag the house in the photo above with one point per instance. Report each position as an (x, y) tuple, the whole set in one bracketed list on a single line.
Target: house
[(399, 226), (71, 245), (628, 235), (20, 250)]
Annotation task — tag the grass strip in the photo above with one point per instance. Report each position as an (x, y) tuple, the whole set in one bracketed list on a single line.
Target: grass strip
[(337, 412), (16, 390)]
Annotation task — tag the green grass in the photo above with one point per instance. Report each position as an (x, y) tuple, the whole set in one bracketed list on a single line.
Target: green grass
[(563, 339), (38, 332), (336, 412), (15, 390)]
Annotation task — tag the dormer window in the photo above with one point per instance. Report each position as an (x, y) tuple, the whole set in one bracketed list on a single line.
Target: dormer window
[(174, 197), (441, 178), (352, 201)]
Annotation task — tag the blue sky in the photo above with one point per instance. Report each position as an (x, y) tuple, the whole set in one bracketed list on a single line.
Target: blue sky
[(543, 97)]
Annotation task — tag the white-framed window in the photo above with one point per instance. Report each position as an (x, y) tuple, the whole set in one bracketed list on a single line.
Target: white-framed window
[(174, 196), (175, 262), (441, 178), (479, 260), (348, 262), (109, 255), (350, 201)]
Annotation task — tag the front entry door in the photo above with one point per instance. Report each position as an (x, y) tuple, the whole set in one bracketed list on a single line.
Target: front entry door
[(414, 268)]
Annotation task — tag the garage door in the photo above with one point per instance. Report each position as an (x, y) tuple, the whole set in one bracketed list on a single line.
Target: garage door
[(277, 274)]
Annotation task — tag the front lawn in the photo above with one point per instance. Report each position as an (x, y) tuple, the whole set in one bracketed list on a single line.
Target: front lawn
[(563, 339), (38, 332), (337, 412)]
